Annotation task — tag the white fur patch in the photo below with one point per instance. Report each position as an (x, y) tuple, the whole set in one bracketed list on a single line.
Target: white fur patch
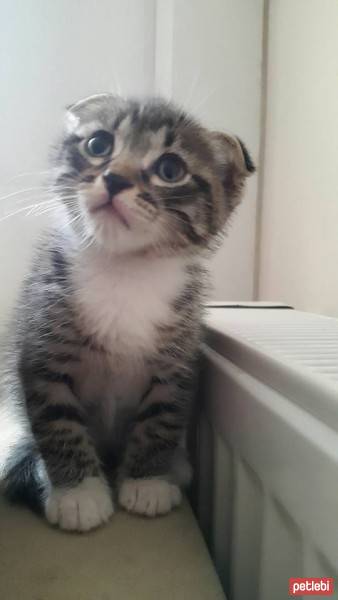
[(149, 497), (122, 300), (80, 508)]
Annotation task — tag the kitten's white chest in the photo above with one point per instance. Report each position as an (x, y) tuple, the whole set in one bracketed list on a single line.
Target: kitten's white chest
[(120, 304), (122, 301)]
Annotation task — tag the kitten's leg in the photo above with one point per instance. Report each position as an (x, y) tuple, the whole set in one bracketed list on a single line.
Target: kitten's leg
[(155, 464), (79, 497)]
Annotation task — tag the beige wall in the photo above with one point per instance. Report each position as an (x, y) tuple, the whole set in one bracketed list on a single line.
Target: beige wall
[(299, 237)]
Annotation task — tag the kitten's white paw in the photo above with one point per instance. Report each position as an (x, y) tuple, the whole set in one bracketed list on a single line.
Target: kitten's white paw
[(149, 497), (80, 508)]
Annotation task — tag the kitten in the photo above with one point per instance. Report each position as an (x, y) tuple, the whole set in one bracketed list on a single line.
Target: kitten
[(102, 365)]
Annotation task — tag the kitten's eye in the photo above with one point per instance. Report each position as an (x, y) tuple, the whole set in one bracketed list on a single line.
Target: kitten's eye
[(100, 144), (170, 168)]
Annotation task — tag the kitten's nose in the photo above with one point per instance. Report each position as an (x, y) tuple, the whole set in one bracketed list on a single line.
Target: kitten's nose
[(116, 183)]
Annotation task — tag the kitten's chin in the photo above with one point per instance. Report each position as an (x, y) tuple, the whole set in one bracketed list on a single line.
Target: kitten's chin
[(115, 238)]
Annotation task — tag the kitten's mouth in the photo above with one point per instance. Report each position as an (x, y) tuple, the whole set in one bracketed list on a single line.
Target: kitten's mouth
[(113, 207)]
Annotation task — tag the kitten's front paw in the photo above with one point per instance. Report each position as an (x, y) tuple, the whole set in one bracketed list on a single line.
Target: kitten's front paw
[(80, 508), (149, 497)]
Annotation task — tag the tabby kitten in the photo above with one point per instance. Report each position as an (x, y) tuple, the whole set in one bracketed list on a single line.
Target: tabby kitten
[(102, 365)]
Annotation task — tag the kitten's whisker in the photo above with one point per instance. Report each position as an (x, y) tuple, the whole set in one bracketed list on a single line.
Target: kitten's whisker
[(23, 209), (117, 87), (45, 194), (53, 200), (70, 221), (60, 188), (177, 219), (43, 189), (191, 93), (13, 214), (42, 204), (38, 212), (32, 189), (29, 173), (87, 238), (54, 205), (183, 197), (30, 199), (201, 103)]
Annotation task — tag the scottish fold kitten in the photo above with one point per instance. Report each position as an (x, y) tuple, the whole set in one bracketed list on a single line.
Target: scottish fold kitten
[(101, 369)]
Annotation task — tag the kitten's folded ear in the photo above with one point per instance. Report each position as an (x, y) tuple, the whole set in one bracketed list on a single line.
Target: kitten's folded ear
[(235, 165), (85, 109)]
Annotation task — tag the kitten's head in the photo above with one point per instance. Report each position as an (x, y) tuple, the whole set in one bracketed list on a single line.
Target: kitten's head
[(141, 176)]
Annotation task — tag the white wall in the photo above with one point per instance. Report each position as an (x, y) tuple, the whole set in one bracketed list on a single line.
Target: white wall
[(205, 55), (209, 59), (299, 247)]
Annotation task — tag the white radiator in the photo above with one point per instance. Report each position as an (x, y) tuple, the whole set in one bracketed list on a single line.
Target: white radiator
[(266, 450)]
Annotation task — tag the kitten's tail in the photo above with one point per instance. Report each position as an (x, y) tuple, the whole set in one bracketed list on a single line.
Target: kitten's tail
[(26, 479)]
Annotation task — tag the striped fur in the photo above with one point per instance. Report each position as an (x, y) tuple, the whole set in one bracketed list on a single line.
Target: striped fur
[(101, 367)]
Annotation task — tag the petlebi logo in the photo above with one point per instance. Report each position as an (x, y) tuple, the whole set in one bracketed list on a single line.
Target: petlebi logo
[(311, 586)]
